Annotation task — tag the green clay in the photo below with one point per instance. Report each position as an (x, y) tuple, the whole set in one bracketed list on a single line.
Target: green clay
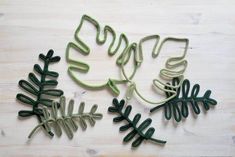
[(81, 47), (137, 131), (131, 49), (123, 58), (42, 89), (67, 121), (168, 73), (178, 107)]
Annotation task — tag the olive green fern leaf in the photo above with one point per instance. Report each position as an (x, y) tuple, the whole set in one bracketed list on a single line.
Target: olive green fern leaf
[(67, 121)]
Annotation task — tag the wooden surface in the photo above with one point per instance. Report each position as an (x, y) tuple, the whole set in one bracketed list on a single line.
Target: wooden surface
[(28, 28)]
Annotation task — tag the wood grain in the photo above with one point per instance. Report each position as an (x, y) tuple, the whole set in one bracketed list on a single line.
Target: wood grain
[(28, 28)]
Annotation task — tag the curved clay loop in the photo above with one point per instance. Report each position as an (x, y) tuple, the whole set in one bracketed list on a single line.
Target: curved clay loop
[(185, 88), (76, 64), (101, 38), (169, 72), (107, 30), (168, 88), (175, 82), (119, 59), (130, 90), (168, 94), (155, 51), (54, 110), (62, 105), (176, 112), (179, 60), (84, 84), (195, 107), (167, 110), (131, 49), (171, 107), (195, 90), (184, 109)]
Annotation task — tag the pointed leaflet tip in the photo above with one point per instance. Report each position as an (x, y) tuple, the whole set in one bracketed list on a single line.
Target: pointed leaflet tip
[(55, 59), (115, 102), (49, 53), (24, 113), (42, 57), (38, 69)]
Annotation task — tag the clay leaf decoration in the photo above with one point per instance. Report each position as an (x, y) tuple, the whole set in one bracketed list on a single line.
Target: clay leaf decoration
[(67, 121), (175, 66), (117, 47), (120, 49), (136, 130), (40, 91), (178, 107)]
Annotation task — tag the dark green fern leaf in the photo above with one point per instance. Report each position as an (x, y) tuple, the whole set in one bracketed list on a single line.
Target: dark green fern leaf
[(178, 107), (136, 130), (40, 90)]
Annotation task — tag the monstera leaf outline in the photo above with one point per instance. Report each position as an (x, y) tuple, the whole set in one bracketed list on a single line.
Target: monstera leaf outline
[(168, 73), (130, 51)]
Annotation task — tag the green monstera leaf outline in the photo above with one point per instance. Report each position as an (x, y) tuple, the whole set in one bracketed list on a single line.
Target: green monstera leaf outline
[(168, 73)]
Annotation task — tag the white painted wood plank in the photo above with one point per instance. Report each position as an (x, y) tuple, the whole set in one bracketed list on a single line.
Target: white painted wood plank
[(28, 28)]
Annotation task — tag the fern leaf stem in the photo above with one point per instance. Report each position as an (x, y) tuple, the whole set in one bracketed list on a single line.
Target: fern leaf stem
[(157, 141), (42, 124), (43, 77), (178, 100), (157, 107), (42, 80)]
